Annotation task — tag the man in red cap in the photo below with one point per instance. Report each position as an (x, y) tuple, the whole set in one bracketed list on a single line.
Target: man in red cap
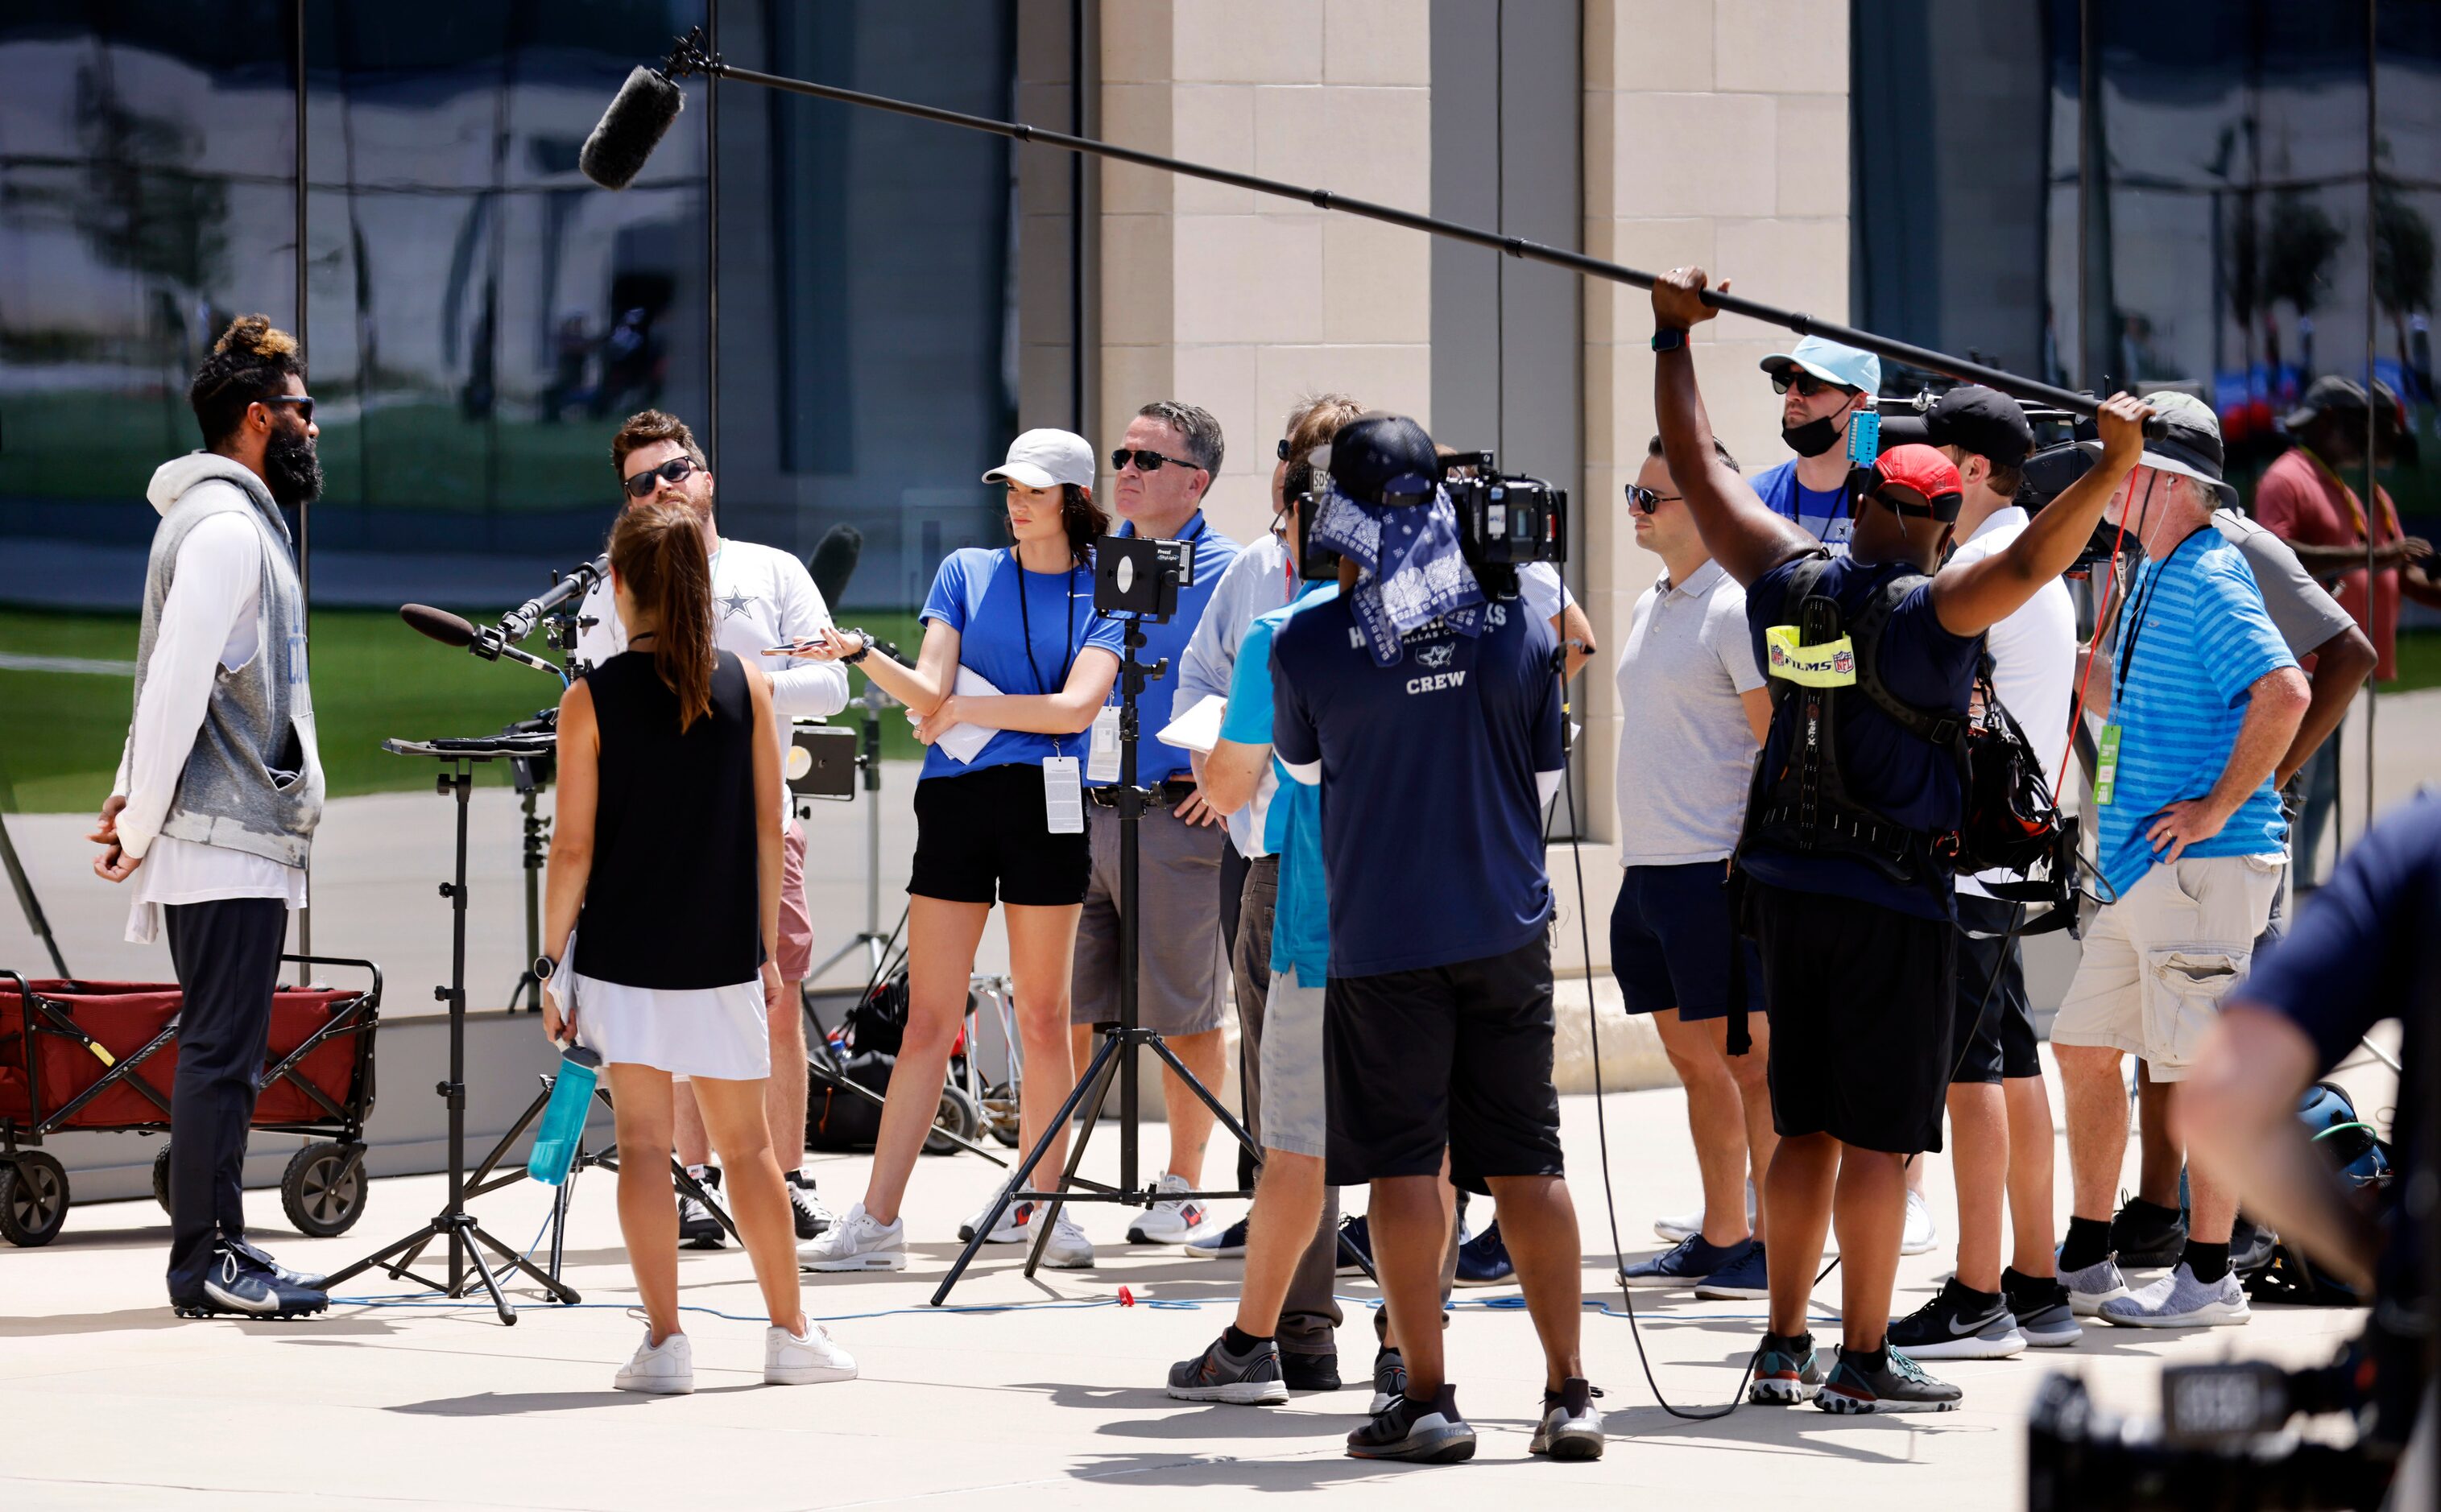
[(1872, 664)]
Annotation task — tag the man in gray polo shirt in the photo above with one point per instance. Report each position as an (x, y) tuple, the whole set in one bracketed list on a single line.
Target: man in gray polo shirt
[(1696, 713)]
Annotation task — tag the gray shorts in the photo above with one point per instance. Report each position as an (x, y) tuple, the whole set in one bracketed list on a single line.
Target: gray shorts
[(1177, 876), (1294, 1117)]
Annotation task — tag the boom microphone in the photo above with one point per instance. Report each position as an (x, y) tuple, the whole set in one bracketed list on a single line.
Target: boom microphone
[(631, 128), (834, 562), (438, 623)]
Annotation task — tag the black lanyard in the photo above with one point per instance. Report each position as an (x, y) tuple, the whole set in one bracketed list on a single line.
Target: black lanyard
[(1026, 618), (2142, 600)]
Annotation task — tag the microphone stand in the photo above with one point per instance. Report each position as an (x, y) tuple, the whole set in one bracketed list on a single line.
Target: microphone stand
[(871, 940)]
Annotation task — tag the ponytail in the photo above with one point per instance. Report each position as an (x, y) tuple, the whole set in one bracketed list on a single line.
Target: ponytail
[(656, 550)]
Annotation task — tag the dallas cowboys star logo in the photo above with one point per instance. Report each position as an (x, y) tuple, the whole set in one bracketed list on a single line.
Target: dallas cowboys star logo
[(734, 606)]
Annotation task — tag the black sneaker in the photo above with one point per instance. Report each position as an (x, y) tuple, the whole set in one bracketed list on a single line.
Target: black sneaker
[(2147, 1238), (811, 1217), (1217, 1376), (1310, 1372), (236, 1287), (1429, 1433), (1389, 1378), (1354, 1235), (1569, 1427), (2042, 1309), (1959, 1324), (1899, 1386), (298, 1280), (1788, 1370), (698, 1228)]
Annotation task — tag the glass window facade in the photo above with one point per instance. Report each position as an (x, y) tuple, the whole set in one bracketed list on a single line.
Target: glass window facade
[(2175, 196), (477, 315)]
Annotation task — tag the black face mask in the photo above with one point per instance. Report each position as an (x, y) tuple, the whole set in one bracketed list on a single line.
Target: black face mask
[(1814, 438), (291, 468)]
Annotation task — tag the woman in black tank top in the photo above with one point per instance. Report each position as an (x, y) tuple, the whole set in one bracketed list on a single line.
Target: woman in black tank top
[(665, 866)]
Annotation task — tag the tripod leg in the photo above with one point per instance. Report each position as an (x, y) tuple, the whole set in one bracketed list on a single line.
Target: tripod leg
[(483, 1269), (1228, 1120), (1097, 1073), (517, 1262), (688, 1186), (412, 1248), (1076, 1150)]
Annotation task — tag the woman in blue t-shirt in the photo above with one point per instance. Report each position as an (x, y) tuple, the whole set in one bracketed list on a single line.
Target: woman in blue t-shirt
[(1015, 665)]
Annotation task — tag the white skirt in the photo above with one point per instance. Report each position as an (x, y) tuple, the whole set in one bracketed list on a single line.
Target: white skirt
[(716, 1032)]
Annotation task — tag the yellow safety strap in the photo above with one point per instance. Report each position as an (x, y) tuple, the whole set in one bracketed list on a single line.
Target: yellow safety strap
[(1828, 664)]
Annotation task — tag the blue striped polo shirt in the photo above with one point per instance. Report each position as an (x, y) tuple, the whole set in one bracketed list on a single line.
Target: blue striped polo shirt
[(2205, 641)]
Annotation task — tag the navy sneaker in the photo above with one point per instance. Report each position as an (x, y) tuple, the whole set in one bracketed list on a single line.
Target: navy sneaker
[(1431, 1432), (1898, 1385), (1354, 1235), (1483, 1261), (1788, 1371), (1745, 1277), (1683, 1264), (1221, 1244), (1961, 1324)]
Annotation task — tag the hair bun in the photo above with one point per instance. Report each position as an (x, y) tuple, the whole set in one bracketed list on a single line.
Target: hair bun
[(254, 336)]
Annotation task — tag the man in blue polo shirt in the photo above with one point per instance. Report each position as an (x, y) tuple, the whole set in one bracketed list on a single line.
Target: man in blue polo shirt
[(1821, 385), (2203, 700), (1165, 464), (1430, 719)]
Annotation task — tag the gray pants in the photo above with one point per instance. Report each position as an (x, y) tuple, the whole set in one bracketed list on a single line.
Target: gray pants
[(1310, 1317), (1178, 938)]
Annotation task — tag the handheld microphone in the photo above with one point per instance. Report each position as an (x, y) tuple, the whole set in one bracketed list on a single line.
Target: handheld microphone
[(519, 622), (637, 120), (834, 562)]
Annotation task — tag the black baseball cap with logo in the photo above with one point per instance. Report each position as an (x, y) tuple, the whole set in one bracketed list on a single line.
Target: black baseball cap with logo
[(1978, 421), (1382, 459)]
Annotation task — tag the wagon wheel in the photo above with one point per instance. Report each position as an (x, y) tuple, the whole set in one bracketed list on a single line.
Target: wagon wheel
[(999, 1112), (323, 1189), (161, 1176), (33, 1199), (959, 1116)]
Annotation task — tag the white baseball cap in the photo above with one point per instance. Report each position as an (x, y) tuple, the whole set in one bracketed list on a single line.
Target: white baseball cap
[(1044, 459)]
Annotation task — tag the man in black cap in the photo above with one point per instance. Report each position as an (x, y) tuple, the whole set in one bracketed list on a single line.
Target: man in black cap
[(1999, 1116)]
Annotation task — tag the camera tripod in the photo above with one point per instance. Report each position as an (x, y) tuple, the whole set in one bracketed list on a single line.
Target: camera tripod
[(1116, 1060)]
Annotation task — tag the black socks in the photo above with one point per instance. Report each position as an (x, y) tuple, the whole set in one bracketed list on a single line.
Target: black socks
[(1241, 1343), (2088, 1244), (2210, 1262)]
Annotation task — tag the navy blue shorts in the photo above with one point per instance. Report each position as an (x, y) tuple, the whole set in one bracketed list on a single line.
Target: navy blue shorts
[(1671, 938)]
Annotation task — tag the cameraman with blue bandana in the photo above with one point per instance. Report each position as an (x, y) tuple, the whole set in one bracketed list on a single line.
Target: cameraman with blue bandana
[(1429, 714)]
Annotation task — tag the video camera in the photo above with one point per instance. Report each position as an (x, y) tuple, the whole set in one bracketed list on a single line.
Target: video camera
[(1504, 520)]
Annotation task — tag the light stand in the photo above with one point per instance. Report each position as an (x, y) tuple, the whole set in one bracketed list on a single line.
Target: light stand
[(870, 941), (1116, 1060)]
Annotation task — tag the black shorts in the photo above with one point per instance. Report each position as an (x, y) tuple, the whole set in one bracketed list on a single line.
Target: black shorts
[(1996, 1043), (981, 829), (1671, 936), (1860, 1002), (1455, 1058)]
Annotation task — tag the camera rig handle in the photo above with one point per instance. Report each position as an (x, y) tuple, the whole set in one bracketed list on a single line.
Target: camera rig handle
[(689, 56)]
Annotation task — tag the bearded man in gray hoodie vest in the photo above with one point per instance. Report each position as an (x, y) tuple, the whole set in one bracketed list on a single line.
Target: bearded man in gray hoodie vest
[(220, 789)]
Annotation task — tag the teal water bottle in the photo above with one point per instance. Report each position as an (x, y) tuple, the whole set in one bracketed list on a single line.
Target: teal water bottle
[(563, 1117)]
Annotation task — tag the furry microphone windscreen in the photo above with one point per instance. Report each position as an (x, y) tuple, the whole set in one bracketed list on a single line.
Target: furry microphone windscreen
[(438, 623), (630, 129), (834, 562)]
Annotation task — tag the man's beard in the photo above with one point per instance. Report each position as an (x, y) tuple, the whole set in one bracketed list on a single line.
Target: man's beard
[(291, 468)]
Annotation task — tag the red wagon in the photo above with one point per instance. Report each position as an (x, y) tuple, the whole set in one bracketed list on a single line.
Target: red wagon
[(103, 1055)]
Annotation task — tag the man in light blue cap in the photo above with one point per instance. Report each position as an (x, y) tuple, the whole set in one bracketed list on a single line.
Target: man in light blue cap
[(1822, 384)]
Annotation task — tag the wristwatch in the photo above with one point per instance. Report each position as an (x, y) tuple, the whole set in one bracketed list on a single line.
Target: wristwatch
[(544, 966), (862, 652), (1669, 340)]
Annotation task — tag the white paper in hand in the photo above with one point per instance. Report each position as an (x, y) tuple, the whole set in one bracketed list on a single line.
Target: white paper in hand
[(963, 742), (1199, 729)]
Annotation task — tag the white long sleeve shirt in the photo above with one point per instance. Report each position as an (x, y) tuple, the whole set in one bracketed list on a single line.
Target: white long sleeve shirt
[(211, 619), (761, 597)]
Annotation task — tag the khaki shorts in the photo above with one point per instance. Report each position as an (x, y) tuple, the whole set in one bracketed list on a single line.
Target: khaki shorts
[(2159, 961)]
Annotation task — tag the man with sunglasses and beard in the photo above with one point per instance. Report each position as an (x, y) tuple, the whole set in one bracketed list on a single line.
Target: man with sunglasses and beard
[(762, 598), (1855, 810), (220, 789), (1821, 385)]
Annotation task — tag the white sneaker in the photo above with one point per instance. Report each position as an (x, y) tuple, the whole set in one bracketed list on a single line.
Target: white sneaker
[(666, 1368), (1685, 1224), (2179, 1301), (805, 1360), (1170, 1221), (856, 1242), (1069, 1250), (1010, 1230), (1923, 1234), (2089, 1289)]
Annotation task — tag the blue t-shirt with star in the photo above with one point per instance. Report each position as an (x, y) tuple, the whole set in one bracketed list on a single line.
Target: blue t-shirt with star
[(1431, 814), (1021, 646)]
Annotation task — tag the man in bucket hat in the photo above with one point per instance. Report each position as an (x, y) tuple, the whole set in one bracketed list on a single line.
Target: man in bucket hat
[(2203, 699)]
